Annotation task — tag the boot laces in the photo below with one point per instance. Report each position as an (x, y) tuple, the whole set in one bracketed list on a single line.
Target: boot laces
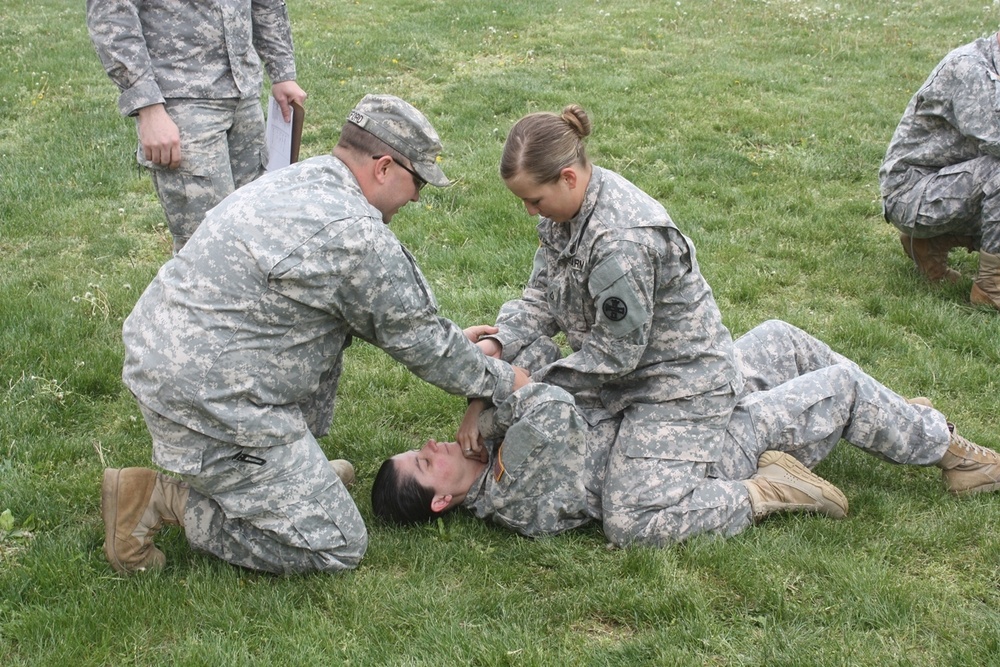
[(967, 445)]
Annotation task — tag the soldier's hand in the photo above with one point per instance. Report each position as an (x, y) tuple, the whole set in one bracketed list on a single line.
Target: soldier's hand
[(159, 137), (476, 332), (286, 92), (490, 347), (469, 437), (521, 377)]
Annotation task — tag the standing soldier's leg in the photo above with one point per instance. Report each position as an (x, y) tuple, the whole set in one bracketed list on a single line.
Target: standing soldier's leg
[(205, 176), (247, 144)]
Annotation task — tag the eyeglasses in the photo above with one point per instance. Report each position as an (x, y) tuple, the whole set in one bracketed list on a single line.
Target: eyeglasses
[(418, 181)]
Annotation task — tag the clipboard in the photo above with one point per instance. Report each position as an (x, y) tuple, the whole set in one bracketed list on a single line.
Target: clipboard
[(298, 118), (283, 138)]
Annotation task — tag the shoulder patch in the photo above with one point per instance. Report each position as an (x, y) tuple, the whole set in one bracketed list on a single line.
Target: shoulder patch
[(614, 309)]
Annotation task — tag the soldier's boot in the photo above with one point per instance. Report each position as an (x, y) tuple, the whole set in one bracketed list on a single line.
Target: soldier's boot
[(344, 470), (931, 255), (986, 286), (920, 400), (967, 467), (783, 484), (135, 503)]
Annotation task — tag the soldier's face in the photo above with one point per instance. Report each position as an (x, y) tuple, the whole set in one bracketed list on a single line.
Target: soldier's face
[(399, 187), (440, 466), (558, 201)]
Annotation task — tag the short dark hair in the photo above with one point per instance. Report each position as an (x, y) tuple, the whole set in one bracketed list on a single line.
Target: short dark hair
[(362, 142), (400, 500)]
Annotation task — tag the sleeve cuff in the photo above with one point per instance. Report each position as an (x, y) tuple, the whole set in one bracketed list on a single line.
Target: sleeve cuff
[(142, 94), (504, 374)]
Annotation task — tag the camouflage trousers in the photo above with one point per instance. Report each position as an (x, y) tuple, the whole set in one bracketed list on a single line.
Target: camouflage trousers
[(961, 199), (222, 148), (278, 509), (798, 396), (802, 398)]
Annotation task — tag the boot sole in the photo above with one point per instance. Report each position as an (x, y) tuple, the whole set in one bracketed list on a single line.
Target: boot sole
[(982, 488), (109, 512)]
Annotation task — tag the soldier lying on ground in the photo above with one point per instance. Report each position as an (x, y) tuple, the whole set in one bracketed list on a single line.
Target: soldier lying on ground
[(541, 469)]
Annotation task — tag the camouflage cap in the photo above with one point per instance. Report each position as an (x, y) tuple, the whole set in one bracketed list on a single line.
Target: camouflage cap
[(405, 129)]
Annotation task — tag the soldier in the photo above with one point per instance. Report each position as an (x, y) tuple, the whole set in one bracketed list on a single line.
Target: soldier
[(544, 466), (190, 74), (234, 353), (940, 179), (615, 275)]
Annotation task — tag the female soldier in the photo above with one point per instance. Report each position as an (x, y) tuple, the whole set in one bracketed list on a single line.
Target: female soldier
[(615, 275)]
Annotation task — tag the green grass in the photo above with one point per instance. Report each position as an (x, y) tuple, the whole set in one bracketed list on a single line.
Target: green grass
[(759, 124)]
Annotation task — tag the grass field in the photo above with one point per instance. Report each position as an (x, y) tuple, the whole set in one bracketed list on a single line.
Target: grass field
[(759, 124)]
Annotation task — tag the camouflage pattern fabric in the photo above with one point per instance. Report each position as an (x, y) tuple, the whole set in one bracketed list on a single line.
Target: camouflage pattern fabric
[(154, 50), (799, 396), (277, 509), (624, 285), (547, 461), (240, 338), (225, 150), (203, 61), (941, 173), (803, 398), (648, 342)]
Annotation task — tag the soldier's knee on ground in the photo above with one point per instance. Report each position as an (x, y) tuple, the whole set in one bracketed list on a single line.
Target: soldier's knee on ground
[(347, 557)]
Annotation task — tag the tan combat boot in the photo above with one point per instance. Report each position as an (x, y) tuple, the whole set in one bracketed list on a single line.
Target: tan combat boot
[(986, 286), (344, 470), (783, 484), (968, 468), (931, 255), (135, 502)]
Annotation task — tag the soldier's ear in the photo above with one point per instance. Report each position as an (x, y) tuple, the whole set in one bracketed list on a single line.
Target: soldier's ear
[(440, 503), (569, 176), (381, 171)]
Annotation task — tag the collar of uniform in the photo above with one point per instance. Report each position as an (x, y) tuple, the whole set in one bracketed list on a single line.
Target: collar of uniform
[(478, 488), (578, 224)]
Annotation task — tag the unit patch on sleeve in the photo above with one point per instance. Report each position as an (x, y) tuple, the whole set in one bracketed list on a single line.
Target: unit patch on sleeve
[(614, 309)]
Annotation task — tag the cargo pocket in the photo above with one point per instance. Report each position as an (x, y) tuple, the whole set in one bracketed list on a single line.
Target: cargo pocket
[(658, 460), (187, 192), (182, 460)]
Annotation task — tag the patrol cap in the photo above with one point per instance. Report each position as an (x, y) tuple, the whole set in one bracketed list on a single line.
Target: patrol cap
[(405, 129)]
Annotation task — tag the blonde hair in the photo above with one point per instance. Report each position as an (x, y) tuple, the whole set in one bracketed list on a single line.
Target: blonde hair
[(543, 144)]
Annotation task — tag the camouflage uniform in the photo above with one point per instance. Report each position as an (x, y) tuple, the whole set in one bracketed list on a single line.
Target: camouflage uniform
[(802, 398), (547, 463), (203, 61), (239, 341), (941, 173), (648, 345)]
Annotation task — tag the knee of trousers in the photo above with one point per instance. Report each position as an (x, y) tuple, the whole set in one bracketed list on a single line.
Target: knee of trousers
[(346, 557)]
